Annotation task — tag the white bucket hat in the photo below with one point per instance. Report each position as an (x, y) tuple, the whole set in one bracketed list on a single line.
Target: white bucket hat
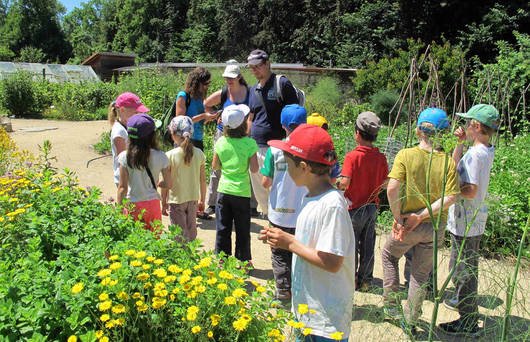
[(232, 71), (234, 115)]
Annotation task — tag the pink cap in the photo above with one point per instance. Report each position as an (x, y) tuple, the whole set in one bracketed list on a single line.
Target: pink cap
[(130, 100)]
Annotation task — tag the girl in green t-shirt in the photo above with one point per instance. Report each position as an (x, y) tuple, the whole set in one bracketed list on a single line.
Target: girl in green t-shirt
[(234, 154)]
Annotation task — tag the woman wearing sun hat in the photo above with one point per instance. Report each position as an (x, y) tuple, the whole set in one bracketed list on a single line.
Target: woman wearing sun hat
[(234, 92)]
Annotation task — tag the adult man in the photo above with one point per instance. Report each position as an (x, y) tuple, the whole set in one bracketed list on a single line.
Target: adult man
[(264, 123)]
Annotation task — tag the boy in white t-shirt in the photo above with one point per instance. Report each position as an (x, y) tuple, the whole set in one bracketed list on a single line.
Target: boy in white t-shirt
[(285, 200), (467, 217), (323, 246)]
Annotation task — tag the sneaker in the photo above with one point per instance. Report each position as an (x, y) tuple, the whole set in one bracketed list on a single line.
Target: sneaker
[(203, 216), (210, 210), (451, 303), (408, 327), (458, 327), (392, 313)]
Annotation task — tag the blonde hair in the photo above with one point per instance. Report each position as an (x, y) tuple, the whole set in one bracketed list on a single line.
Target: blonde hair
[(187, 146), (113, 113), (426, 131)]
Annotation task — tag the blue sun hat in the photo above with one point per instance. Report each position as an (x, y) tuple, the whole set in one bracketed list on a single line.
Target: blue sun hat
[(434, 116)]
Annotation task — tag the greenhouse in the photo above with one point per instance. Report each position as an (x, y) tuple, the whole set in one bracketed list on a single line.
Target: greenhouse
[(51, 72)]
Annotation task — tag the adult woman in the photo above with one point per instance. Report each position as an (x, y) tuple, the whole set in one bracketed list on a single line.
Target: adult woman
[(235, 92), (196, 87)]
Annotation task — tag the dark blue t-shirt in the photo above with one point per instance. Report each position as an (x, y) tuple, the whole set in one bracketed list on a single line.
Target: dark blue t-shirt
[(267, 121)]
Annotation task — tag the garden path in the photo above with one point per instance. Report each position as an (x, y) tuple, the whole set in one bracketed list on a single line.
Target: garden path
[(72, 145)]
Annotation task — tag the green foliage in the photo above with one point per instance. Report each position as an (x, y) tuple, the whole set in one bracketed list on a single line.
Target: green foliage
[(324, 98), (30, 54), (103, 146), (382, 102), (350, 111), (5, 53), (17, 94)]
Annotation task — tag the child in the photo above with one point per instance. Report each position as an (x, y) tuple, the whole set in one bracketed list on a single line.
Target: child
[(285, 200), (125, 106), (186, 163), (407, 187), (140, 166), (323, 244), (316, 119), (474, 174), (233, 154), (364, 174)]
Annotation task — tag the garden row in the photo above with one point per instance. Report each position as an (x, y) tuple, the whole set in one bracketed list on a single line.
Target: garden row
[(72, 268)]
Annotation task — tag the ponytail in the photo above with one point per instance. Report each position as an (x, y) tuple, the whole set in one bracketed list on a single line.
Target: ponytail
[(187, 146), (113, 113)]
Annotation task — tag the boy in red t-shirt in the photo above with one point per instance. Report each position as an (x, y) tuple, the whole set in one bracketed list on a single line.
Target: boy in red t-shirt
[(364, 174)]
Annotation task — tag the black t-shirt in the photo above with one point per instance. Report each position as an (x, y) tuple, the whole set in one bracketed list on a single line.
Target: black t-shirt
[(267, 121)]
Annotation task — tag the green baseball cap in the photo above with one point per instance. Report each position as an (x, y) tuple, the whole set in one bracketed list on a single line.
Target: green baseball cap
[(484, 113)]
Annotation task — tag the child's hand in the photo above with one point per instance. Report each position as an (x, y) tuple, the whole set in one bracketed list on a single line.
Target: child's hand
[(398, 230), (460, 133), (278, 238), (263, 234), (200, 206), (165, 206), (411, 221)]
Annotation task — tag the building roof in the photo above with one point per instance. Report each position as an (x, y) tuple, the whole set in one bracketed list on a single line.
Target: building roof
[(98, 54)]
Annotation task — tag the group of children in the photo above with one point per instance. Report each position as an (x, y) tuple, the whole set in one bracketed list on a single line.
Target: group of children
[(322, 237)]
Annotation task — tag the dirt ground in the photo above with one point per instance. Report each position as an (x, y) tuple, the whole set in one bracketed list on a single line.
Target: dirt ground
[(72, 144)]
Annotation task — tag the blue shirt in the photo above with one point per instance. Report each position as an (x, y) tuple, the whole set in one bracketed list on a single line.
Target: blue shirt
[(267, 113), (229, 102), (196, 107)]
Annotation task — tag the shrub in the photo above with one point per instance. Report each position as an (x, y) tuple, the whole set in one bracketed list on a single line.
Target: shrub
[(324, 98), (382, 102), (11, 158), (103, 146), (18, 94)]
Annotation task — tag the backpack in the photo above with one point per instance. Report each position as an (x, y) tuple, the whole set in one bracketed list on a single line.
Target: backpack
[(300, 94), (166, 119)]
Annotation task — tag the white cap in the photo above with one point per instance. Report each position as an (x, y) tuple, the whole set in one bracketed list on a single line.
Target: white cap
[(234, 115), (232, 71)]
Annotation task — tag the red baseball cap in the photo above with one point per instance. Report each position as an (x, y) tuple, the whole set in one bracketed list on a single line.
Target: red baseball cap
[(308, 142)]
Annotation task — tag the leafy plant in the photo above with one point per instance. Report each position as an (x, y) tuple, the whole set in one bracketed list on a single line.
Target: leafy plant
[(17, 94)]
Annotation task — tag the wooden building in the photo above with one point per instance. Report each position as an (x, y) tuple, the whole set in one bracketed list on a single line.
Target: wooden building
[(104, 63)]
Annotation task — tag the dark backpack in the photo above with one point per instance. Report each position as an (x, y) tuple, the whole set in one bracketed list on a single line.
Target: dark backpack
[(300, 94), (166, 119)]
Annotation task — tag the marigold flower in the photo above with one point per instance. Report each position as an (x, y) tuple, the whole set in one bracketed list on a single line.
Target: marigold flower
[(211, 281), (196, 280), (183, 279), (161, 293), (210, 334), (103, 296), (230, 300), (72, 338), (150, 258), (215, 319), (146, 267), (160, 273), (139, 302), (135, 263), (222, 287), (115, 265), (136, 295), (299, 325), (176, 290), (104, 317), (274, 333), (200, 288), (118, 309), (174, 269), (225, 275), (99, 334), (303, 309), (130, 252), (113, 282), (109, 324), (147, 285), (143, 308), (158, 261), (336, 335), (104, 339), (240, 325), (192, 294), (240, 281), (113, 257), (191, 316), (104, 273), (159, 286), (186, 287), (104, 306), (193, 309), (122, 295), (139, 255), (205, 262), (77, 288), (187, 272), (170, 279), (260, 289), (195, 329), (142, 276), (239, 292), (158, 302)]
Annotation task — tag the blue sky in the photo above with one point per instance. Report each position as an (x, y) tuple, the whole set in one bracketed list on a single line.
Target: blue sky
[(71, 4)]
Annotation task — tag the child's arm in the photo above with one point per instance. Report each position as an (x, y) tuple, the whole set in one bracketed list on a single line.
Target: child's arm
[(414, 219), (278, 238), (343, 183), (249, 122), (254, 166), (460, 133), (266, 182), (122, 187), (468, 190), (164, 193), (216, 162), (203, 189), (166, 179), (392, 192)]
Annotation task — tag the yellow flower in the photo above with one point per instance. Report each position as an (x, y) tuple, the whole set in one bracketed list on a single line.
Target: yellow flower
[(158, 261), (146, 267), (176, 290), (336, 335), (104, 317), (195, 329), (104, 339), (143, 308), (161, 293), (159, 286), (211, 281), (187, 272), (115, 265), (142, 276), (200, 288), (158, 302), (303, 309), (136, 263), (240, 281), (160, 273), (196, 280), (140, 255), (215, 319), (119, 321), (147, 285), (139, 302), (222, 287), (210, 334), (2, 219), (307, 331), (240, 325), (130, 252), (104, 306), (191, 316), (99, 334), (183, 279), (205, 262), (239, 292), (225, 275), (192, 294), (291, 323), (150, 258), (299, 325), (122, 295), (193, 309), (136, 295), (260, 289), (113, 257), (105, 281), (230, 300), (113, 282), (72, 338), (274, 333), (312, 311), (109, 324), (186, 287), (103, 296), (77, 288), (174, 269), (104, 272), (118, 309), (172, 297), (170, 279)]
